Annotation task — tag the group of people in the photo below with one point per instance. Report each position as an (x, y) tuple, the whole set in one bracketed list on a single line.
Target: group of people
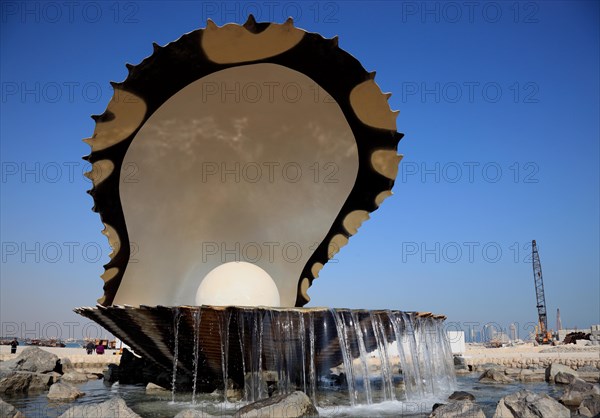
[(90, 347)]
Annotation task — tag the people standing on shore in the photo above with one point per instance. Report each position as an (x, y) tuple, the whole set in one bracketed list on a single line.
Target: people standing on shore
[(90, 347), (13, 346), (99, 349)]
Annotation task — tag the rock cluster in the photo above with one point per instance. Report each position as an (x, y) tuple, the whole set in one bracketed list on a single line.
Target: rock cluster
[(33, 370), (555, 373), (524, 404)]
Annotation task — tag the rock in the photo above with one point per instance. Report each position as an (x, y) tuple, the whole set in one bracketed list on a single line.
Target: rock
[(556, 368), (460, 363), (66, 364), (23, 382), (526, 404), (151, 387), (111, 374), (460, 395), (577, 391), (9, 411), (131, 368), (113, 408), (458, 409), (564, 378), (494, 376), (34, 359), (589, 376), (512, 372), (63, 392), (590, 406), (193, 413), (295, 404), (75, 377), (532, 375), (486, 366)]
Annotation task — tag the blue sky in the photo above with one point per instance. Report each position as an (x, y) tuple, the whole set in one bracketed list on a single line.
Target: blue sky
[(499, 103)]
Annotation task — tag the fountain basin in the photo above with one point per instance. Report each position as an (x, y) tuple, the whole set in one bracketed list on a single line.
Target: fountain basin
[(258, 350)]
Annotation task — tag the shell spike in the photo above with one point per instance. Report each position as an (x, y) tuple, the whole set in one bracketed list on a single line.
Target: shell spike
[(210, 25), (116, 85), (250, 22)]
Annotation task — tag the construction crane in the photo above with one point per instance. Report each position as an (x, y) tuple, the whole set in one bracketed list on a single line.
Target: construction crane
[(542, 336)]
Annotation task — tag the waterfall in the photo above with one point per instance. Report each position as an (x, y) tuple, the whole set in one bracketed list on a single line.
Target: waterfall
[(311, 364), (224, 319), (346, 355), (241, 333), (386, 372), (176, 319), (266, 351), (363, 357), (197, 315), (410, 370), (253, 363), (302, 333)]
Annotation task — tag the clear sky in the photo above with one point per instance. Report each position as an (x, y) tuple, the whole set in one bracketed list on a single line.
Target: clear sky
[(499, 104)]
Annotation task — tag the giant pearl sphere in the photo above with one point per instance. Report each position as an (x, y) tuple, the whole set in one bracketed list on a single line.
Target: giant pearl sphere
[(238, 283)]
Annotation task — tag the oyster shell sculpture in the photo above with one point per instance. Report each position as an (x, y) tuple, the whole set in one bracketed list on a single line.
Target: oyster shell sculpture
[(259, 143)]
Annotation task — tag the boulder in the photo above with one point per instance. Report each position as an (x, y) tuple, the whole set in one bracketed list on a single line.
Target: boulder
[(460, 395), (556, 368), (23, 382), (193, 413), (592, 376), (577, 391), (460, 363), (9, 411), (564, 378), (291, 405), (458, 409), (532, 375), (526, 404), (34, 359), (75, 377), (590, 406), (494, 376), (486, 366), (111, 373), (113, 408), (66, 364), (63, 392), (152, 388)]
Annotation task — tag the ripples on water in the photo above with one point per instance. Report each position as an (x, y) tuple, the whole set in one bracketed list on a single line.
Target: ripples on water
[(334, 403)]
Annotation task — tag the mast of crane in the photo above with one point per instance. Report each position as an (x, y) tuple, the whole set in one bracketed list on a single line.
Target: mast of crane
[(540, 297), (558, 321)]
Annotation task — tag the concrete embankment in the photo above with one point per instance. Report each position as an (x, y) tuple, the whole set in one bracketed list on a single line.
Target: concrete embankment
[(530, 357)]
